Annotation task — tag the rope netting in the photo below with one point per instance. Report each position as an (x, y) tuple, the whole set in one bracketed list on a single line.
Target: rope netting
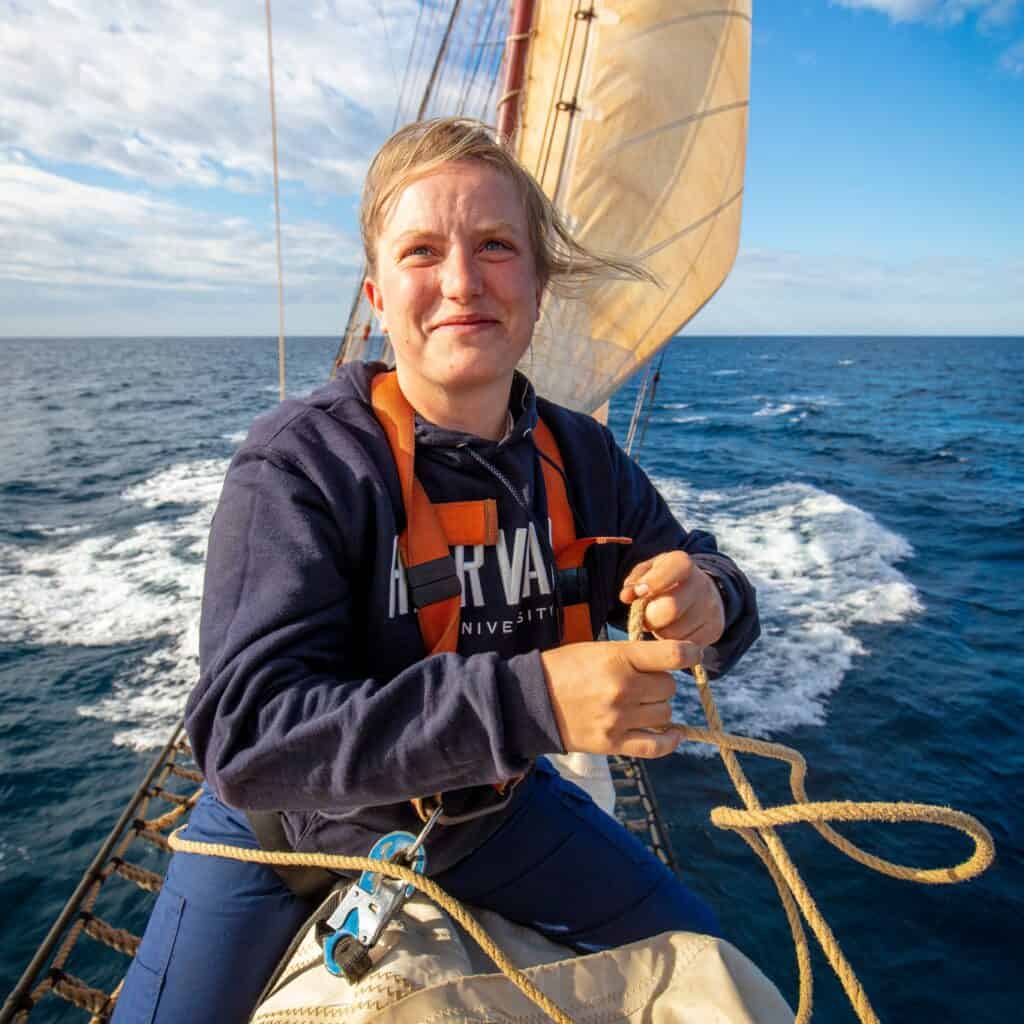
[(49, 976), (172, 782)]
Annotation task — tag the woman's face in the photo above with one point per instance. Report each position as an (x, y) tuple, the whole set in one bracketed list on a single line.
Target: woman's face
[(455, 285)]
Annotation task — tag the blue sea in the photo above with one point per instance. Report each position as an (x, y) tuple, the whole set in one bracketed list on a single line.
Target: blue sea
[(873, 489)]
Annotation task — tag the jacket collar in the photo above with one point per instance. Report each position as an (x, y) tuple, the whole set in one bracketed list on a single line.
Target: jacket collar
[(353, 381), (523, 405)]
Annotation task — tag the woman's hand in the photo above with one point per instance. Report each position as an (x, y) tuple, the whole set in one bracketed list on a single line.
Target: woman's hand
[(684, 603), (615, 698)]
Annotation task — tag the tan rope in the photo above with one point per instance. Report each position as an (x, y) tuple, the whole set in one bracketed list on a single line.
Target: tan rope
[(120, 939), (142, 877), (756, 825), (336, 862), (76, 991)]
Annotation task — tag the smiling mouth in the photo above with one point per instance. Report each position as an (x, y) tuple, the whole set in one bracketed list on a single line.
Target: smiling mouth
[(466, 323)]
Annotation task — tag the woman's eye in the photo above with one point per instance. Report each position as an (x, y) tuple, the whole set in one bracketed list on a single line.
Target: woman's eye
[(496, 245), (418, 250)]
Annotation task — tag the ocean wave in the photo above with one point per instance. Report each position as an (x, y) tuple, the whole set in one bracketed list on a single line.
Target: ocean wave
[(822, 568), (775, 410), (131, 585)]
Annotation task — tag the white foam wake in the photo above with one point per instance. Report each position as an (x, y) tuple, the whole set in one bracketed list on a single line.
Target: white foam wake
[(822, 567), (125, 587)]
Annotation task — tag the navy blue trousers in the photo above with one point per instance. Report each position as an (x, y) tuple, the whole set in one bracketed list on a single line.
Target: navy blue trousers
[(558, 864)]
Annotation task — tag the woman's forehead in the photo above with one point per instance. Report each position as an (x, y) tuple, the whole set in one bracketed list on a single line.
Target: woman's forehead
[(454, 191)]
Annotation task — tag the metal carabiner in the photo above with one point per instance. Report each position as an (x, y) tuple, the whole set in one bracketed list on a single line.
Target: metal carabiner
[(370, 903)]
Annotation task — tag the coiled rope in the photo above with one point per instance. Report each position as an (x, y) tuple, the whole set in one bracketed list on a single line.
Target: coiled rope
[(756, 824)]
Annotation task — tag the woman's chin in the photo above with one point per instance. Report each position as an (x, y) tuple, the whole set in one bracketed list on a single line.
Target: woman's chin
[(480, 371)]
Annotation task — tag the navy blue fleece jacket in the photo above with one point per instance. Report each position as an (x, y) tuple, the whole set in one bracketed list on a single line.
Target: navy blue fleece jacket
[(315, 695)]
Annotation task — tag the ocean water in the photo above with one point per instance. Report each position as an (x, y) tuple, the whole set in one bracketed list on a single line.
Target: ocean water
[(872, 488)]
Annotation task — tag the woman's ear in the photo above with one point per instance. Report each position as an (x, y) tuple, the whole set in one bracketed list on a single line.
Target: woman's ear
[(376, 299)]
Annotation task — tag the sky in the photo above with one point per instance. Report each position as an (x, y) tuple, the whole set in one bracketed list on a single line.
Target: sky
[(884, 186)]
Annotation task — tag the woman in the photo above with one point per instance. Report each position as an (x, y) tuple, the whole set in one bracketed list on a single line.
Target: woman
[(318, 697)]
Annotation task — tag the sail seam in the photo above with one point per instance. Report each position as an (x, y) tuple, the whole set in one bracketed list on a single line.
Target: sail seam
[(672, 125), (693, 16), (710, 215)]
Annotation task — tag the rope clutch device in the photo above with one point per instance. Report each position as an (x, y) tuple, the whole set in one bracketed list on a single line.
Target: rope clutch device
[(348, 935)]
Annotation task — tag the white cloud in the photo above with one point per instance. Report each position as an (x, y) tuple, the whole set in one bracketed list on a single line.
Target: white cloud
[(780, 292), (990, 13), (125, 126), (59, 232), (171, 92), (1013, 59)]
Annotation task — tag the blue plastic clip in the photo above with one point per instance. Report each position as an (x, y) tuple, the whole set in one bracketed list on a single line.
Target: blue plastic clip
[(370, 903)]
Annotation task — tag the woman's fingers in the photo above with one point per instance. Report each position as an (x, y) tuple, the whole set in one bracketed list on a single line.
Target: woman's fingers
[(635, 575), (601, 693), (647, 744), (656, 575), (693, 611), (651, 716), (660, 655)]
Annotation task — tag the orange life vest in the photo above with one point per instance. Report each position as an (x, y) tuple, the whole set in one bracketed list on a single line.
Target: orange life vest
[(431, 529)]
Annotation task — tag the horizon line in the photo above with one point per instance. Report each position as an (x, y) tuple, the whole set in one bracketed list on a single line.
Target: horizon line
[(338, 337)]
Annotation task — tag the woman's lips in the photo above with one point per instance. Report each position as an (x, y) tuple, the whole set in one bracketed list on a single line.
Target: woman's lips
[(465, 325)]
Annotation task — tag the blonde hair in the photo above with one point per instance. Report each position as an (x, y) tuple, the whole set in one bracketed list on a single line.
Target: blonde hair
[(420, 148)]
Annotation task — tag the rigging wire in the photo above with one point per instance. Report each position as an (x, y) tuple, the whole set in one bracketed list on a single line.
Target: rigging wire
[(643, 406), (387, 40), (650, 400), (483, 29), (428, 93), (277, 206), (410, 65)]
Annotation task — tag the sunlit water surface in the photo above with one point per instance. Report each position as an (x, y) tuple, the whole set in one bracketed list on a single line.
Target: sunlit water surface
[(872, 488)]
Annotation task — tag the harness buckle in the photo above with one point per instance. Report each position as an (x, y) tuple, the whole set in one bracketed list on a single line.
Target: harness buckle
[(433, 581), (574, 585)]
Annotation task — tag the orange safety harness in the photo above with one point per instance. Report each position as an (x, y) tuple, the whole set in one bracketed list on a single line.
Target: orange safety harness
[(432, 529)]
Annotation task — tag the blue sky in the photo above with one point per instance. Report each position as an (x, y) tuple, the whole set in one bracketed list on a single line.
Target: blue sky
[(883, 189)]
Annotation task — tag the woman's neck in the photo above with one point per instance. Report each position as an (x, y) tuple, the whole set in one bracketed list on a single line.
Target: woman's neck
[(482, 412)]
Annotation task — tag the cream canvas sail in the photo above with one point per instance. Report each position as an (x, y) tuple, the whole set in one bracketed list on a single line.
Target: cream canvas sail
[(634, 120)]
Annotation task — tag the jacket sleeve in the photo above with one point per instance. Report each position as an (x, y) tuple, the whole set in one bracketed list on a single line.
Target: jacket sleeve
[(285, 714), (644, 516)]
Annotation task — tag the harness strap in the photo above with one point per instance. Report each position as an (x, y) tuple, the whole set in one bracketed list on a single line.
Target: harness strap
[(570, 552), (431, 530), (469, 522), (308, 883), (434, 587)]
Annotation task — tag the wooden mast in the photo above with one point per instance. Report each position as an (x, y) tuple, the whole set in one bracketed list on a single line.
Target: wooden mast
[(516, 49)]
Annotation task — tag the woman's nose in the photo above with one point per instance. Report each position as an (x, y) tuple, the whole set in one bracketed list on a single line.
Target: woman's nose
[(460, 276)]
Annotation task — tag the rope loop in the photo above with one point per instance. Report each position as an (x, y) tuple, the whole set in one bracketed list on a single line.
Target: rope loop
[(756, 825)]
